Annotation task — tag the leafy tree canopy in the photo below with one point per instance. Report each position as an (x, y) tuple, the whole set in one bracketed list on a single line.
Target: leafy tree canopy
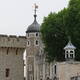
[(56, 28)]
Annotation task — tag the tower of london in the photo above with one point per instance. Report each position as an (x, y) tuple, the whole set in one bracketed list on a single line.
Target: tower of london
[(12, 63)]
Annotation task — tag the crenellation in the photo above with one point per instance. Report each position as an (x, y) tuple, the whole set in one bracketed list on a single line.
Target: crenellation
[(3, 35), (22, 36), (12, 41), (12, 36)]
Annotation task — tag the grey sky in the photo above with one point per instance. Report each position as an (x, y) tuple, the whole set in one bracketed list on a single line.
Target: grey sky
[(16, 15)]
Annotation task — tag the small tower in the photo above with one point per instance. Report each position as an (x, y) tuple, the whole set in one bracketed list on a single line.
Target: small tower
[(69, 51), (32, 47)]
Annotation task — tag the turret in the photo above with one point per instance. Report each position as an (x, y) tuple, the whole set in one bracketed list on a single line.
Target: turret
[(69, 51), (32, 47)]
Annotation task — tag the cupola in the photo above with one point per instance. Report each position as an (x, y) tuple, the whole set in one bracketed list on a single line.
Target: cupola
[(69, 51)]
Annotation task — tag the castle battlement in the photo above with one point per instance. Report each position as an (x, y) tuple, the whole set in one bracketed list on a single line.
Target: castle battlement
[(12, 41)]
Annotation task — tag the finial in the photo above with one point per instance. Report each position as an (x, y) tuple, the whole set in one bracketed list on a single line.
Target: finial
[(36, 6), (69, 38)]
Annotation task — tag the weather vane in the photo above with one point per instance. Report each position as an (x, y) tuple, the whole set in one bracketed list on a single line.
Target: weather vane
[(36, 7)]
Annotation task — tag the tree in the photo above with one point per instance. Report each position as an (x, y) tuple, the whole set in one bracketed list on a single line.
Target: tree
[(54, 36), (57, 27), (72, 23)]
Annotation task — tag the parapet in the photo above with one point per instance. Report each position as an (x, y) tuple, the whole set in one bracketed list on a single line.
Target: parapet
[(12, 41)]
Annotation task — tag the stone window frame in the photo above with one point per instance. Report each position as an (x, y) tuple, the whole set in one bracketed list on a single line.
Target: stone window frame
[(28, 42), (37, 42), (55, 69), (37, 34)]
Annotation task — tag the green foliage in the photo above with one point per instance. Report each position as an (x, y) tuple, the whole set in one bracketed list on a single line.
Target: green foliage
[(72, 23), (57, 27)]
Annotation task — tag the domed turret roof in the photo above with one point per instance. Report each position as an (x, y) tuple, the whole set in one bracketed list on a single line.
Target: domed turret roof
[(34, 27)]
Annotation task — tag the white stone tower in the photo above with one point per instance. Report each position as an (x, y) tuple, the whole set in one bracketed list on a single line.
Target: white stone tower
[(69, 51), (32, 48)]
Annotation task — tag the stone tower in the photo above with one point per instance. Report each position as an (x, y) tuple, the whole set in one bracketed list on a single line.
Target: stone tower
[(32, 48), (11, 57)]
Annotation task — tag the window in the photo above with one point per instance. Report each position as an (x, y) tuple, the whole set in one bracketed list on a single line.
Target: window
[(36, 34), (55, 69), (66, 51), (28, 43), (71, 55), (66, 55), (7, 72), (36, 42), (71, 51)]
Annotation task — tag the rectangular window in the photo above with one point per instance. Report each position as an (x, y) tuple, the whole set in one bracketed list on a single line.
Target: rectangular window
[(55, 69), (7, 72)]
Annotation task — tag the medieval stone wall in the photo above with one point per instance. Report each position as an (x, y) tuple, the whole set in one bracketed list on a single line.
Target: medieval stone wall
[(12, 41), (67, 70), (11, 57)]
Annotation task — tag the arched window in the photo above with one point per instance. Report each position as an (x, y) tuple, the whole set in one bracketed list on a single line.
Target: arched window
[(71, 51), (36, 34), (66, 51), (28, 43), (71, 55), (36, 42)]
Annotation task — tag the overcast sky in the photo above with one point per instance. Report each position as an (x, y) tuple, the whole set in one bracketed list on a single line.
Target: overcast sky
[(17, 15)]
